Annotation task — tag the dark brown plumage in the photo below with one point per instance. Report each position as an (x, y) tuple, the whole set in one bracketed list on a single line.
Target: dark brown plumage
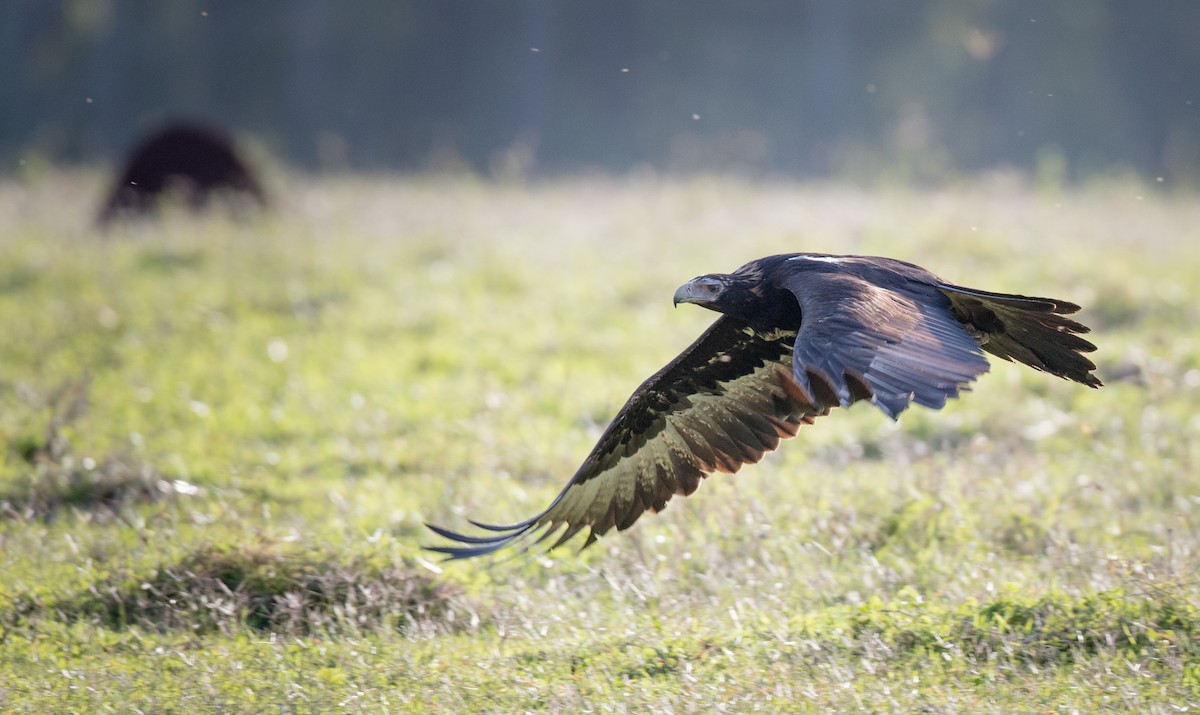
[(800, 334), (197, 161)]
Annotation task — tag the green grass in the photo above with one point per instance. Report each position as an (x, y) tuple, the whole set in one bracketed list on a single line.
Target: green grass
[(219, 443)]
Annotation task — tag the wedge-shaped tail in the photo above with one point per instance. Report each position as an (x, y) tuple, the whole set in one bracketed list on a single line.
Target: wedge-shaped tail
[(1028, 330)]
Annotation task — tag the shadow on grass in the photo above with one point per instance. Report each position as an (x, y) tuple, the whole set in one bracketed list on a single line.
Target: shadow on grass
[(267, 589)]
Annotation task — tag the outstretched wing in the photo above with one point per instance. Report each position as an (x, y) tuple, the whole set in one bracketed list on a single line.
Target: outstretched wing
[(877, 330), (725, 401)]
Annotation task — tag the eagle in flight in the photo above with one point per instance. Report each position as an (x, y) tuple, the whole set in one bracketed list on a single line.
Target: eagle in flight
[(799, 334)]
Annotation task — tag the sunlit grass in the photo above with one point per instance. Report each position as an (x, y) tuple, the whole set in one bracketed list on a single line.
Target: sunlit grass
[(221, 440)]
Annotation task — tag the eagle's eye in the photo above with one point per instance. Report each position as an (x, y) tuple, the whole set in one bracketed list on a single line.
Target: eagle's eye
[(703, 290), (710, 287)]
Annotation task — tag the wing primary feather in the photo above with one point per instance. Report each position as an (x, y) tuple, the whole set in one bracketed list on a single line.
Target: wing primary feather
[(466, 538), (481, 546), (506, 527)]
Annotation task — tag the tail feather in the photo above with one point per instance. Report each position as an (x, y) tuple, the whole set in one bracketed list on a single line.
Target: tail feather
[(1028, 330)]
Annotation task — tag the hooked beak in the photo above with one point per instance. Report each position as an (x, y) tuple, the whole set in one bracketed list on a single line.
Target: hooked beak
[(701, 291), (681, 295)]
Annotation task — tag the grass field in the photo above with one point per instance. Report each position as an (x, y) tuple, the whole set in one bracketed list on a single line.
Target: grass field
[(221, 440)]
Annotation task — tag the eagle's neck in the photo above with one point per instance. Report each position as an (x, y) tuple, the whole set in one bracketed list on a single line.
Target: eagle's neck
[(761, 305)]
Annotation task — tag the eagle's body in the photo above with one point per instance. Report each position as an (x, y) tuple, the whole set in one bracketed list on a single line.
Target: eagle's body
[(800, 334)]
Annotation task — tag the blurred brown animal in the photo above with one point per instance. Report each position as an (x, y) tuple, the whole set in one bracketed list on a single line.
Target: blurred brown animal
[(197, 162)]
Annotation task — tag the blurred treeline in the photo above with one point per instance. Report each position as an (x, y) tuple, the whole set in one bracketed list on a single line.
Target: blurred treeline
[(920, 88)]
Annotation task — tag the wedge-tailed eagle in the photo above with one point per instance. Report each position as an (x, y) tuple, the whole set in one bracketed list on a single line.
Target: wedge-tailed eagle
[(799, 334)]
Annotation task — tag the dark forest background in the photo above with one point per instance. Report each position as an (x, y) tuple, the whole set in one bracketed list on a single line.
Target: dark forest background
[(922, 89)]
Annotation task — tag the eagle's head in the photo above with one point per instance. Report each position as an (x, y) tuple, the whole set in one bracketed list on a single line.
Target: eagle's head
[(731, 294), (751, 294)]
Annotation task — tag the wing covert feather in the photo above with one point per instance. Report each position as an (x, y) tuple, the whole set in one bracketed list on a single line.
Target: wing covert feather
[(887, 337)]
